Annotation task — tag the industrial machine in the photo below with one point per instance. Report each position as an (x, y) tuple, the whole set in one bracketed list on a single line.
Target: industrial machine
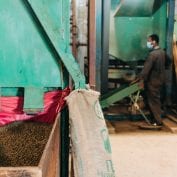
[(35, 58), (35, 54), (130, 25)]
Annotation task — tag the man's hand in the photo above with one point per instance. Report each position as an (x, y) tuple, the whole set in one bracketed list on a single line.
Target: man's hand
[(141, 84), (139, 81), (135, 81)]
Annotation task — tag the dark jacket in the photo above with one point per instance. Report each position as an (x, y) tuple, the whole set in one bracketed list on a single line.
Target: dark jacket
[(153, 72)]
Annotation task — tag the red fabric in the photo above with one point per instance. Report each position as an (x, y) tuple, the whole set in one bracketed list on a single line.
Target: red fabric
[(11, 108)]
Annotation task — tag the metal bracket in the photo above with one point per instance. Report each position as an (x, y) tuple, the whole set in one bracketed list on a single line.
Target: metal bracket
[(135, 103), (119, 94), (33, 100)]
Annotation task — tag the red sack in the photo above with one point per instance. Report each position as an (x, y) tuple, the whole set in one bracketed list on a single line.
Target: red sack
[(11, 108)]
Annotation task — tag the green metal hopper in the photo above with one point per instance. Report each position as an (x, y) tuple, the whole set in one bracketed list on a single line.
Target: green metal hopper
[(35, 53), (131, 21)]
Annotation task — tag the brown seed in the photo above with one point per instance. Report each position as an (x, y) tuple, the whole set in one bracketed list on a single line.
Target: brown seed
[(22, 144)]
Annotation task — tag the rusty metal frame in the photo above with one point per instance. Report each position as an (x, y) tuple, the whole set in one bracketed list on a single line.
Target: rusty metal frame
[(92, 43), (74, 29)]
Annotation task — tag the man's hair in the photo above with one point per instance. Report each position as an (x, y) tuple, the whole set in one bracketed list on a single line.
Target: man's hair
[(154, 37)]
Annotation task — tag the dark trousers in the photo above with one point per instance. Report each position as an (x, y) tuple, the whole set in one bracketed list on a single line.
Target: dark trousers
[(154, 103)]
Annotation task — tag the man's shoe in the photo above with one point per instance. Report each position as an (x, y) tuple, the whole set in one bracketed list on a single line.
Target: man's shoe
[(157, 124), (154, 124)]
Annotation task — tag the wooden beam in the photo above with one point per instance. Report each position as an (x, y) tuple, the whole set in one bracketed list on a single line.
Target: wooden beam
[(173, 118), (170, 125)]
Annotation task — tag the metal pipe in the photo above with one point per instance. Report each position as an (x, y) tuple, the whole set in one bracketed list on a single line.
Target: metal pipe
[(92, 43), (99, 18), (170, 30), (105, 45), (74, 29), (65, 142)]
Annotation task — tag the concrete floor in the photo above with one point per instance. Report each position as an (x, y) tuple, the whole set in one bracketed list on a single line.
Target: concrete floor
[(143, 153)]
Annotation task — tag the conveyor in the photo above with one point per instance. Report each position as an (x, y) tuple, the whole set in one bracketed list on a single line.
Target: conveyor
[(122, 92)]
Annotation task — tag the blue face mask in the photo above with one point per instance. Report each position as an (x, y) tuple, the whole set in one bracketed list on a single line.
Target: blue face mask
[(149, 45)]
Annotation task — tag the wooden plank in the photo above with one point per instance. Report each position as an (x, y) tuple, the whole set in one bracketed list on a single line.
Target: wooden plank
[(111, 129), (170, 125), (174, 111), (48, 162), (20, 172), (57, 152), (173, 118)]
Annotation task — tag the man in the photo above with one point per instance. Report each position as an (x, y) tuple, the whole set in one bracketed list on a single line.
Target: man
[(153, 75)]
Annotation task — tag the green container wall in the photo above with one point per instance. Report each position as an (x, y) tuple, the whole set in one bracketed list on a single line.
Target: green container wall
[(137, 7), (26, 56), (128, 34)]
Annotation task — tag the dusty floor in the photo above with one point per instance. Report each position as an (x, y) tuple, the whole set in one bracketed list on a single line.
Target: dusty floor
[(143, 153)]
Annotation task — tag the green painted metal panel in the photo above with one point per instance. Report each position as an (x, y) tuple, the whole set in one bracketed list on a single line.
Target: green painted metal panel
[(54, 18), (128, 35), (25, 59), (137, 8), (58, 35), (9, 91), (36, 40), (33, 100), (118, 94)]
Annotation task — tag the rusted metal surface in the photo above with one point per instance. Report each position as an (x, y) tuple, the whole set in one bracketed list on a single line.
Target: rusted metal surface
[(74, 29), (92, 43)]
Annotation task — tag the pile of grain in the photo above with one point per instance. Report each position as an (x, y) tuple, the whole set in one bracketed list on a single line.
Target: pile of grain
[(22, 144)]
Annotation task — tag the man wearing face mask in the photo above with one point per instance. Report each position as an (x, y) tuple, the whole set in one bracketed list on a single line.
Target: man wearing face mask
[(153, 75)]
